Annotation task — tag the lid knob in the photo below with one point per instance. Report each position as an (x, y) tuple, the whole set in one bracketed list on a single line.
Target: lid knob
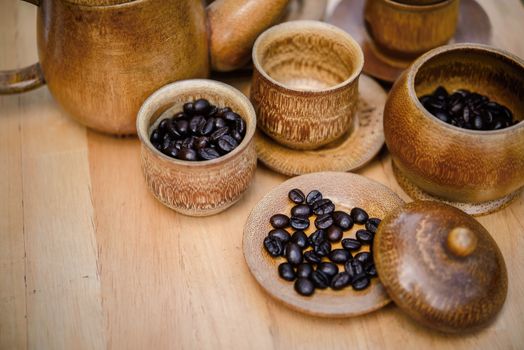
[(461, 241)]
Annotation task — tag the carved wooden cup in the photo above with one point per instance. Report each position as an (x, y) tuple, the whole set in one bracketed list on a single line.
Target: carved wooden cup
[(305, 83), (459, 165), (198, 188)]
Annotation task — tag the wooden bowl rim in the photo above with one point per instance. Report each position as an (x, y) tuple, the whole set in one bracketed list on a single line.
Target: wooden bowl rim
[(480, 48), (417, 8), (319, 27), (200, 85)]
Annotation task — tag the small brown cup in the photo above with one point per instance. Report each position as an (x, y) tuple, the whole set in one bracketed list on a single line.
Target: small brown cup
[(198, 188), (305, 83), (407, 29)]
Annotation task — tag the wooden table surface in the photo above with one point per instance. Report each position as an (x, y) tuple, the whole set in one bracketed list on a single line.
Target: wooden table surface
[(90, 260)]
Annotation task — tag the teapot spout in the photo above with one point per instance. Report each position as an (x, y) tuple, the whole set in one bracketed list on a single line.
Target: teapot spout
[(233, 27)]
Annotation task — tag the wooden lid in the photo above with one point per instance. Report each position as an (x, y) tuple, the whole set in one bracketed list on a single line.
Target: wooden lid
[(441, 266)]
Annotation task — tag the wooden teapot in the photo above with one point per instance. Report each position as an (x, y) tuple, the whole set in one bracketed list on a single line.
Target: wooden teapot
[(102, 58)]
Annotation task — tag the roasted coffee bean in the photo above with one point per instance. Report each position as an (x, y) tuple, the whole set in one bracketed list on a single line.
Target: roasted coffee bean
[(299, 223), (339, 256), (182, 126), (222, 111), (304, 270), (302, 210), (286, 271), (371, 271), (340, 281), (364, 257), (304, 286), (236, 135), (163, 124), (208, 127), (189, 108), (296, 196), (317, 236), (196, 123), (311, 257), (172, 131), (294, 254), (364, 236), (320, 279), (323, 206), (279, 221), (187, 154), (156, 137), (172, 152), (189, 142), (361, 283), (372, 224), (212, 111), (240, 126), (208, 153), (329, 269), (334, 233), (220, 123), (200, 142), (359, 215), (354, 269), (351, 244), (322, 248), (300, 238), (226, 143), (322, 222), (230, 116), (281, 234), (274, 246), (217, 134), (313, 196), (342, 220), (201, 106)]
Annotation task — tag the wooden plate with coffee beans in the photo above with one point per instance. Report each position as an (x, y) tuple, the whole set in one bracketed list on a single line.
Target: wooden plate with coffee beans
[(350, 291)]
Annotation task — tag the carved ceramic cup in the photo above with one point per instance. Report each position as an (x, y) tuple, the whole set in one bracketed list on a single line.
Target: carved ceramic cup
[(305, 83), (449, 162), (196, 188), (102, 58), (407, 29)]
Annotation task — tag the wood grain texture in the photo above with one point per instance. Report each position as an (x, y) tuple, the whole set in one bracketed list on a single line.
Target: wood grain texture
[(347, 191), (168, 281), (305, 83)]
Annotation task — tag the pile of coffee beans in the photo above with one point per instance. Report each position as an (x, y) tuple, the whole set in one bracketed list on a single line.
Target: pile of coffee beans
[(311, 260), (201, 131), (467, 110)]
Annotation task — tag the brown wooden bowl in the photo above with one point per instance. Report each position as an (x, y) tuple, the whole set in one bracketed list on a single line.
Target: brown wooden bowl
[(446, 161), (198, 188), (305, 83)]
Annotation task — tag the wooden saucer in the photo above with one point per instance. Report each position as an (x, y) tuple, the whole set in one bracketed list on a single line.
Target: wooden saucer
[(474, 209), (346, 190), (357, 147), (473, 27)]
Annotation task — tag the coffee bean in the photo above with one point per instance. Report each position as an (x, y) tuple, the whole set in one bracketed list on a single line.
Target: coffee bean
[(371, 271), (354, 269), (364, 236), (317, 236), (226, 143), (339, 256), (299, 223), (236, 135), (361, 283), (359, 215), (200, 142), (201, 106), (217, 134), (208, 153), (172, 152), (188, 142), (220, 123), (323, 206), (302, 210), (334, 233), (320, 279), (342, 220), (189, 108), (300, 238), (340, 281), (208, 127), (240, 126), (279, 221), (313, 196), (329, 269), (222, 111), (351, 244), (230, 116), (172, 131), (363, 257), (372, 224), (281, 234), (163, 125), (304, 270), (296, 196), (322, 248), (274, 246), (187, 154), (304, 286), (311, 257), (294, 254), (196, 123), (286, 271), (182, 126), (323, 221)]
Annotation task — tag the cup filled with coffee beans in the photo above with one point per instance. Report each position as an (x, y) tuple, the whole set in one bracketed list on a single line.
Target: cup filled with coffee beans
[(453, 125), (305, 83), (198, 157)]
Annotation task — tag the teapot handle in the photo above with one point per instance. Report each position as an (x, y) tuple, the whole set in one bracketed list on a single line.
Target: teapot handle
[(233, 27), (23, 79)]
